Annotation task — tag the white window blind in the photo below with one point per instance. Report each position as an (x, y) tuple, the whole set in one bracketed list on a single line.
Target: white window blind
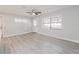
[(46, 22), (54, 22)]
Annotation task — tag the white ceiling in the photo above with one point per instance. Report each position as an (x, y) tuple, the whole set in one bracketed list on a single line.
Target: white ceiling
[(22, 9)]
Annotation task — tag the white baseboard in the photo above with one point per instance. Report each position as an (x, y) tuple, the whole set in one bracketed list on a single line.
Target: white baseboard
[(15, 34), (63, 38)]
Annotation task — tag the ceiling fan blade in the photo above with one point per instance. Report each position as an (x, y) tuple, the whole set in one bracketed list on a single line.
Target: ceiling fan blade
[(38, 12), (29, 13), (34, 13)]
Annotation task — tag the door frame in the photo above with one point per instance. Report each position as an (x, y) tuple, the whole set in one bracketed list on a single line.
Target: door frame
[(1, 26)]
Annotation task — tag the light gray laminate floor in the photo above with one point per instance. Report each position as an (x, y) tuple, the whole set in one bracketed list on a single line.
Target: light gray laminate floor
[(34, 43)]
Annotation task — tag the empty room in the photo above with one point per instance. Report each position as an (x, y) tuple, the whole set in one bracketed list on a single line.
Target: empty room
[(39, 29)]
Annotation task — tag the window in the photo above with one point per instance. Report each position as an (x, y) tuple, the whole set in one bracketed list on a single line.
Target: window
[(18, 20), (35, 23), (54, 22), (46, 22)]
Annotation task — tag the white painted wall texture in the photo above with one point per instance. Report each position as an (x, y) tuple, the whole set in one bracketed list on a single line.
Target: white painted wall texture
[(14, 27), (70, 31)]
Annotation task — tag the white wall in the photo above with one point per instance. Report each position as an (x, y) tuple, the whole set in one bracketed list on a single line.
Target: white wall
[(70, 31), (11, 27)]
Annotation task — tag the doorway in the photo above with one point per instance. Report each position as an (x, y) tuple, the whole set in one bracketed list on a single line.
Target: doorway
[(1, 27)]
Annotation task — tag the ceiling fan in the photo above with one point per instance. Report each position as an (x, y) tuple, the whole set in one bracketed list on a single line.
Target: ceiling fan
[(34, 12)]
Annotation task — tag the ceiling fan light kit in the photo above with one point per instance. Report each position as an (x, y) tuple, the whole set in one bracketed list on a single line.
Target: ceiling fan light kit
[(33, 12)]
